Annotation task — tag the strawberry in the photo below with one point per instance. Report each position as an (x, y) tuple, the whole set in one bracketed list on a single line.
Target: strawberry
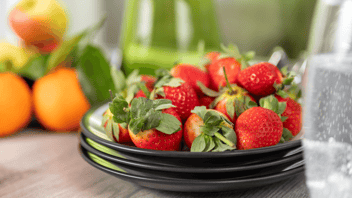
[(260, 126), (191, 74), (149, 81), (115, 131), (232, 66), (233, 62), (182, 95), (206, 101), (152, 124), (230, 100), (157, 140), (212, 56), (293, 112), (260, 79), (208, 130)]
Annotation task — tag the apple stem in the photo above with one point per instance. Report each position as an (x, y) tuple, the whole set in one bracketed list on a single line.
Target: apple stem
[(227, 82), (226, 141)]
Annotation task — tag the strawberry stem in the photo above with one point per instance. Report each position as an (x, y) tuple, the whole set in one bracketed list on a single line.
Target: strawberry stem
[(227, 82), (226, 141)]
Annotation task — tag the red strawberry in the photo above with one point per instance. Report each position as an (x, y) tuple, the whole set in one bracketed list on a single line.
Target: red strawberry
[(232, 67), (258, 127), (293, 112), (205, 101), (140, 93), (212, 56), (199, 134), (260, 79), (225, 97), (183, 97), (121, 135), (191, 74), (152, 124), (230, 100), (149, 81), (178, 91), (156, 140)]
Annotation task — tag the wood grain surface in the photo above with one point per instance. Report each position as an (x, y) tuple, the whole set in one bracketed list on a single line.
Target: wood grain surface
[(36, 163)]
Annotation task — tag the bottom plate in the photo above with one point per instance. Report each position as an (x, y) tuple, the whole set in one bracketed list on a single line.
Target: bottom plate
[(191, 185)]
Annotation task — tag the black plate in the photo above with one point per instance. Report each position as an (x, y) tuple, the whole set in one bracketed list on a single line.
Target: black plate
[(191, 185), (91, 128), (105, 153)]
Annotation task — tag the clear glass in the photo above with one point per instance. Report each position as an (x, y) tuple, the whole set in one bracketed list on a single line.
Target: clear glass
[(328, 125), (332, 27)]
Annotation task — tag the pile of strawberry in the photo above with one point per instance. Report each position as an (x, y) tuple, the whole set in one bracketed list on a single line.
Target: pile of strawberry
[(222, 106)]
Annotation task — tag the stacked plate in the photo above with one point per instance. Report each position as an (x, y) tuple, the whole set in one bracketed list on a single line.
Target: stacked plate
[(186, 171)]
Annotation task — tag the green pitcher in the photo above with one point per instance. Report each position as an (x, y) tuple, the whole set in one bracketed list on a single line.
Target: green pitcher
[(158, 33)]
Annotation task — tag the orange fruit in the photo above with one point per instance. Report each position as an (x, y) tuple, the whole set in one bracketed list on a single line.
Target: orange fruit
[(15, 103), (59, 102)]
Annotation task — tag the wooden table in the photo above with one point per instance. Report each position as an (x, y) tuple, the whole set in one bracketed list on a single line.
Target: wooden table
[(36, 163)]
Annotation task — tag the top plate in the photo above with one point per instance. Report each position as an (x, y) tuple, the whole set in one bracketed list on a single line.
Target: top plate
[(91, 127)]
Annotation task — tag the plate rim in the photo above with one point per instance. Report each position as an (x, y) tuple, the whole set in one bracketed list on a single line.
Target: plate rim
[(132, 163), (178, 154), (136, 178)]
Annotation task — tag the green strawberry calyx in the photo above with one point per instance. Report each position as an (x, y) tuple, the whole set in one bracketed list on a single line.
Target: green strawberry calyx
[(217, 132), (232, 51), (271, 103), (287, 79), (144, 114)]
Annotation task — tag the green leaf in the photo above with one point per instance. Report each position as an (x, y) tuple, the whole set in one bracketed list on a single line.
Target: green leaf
[(119, 108), (284, 70), (288, 81), (118, 78), (145, 90), (153, 119), (200, 111), (230, 107), (94, 75), (161, 73), (133, 78), (249, 55), (60, 54), (282, 93), (282, 107), (169, 124), (286, 134), (283, 118), (174, 82), (240, 105), (136, 124), (282, 140), (229, 134), (35, 68), (207, 91), (270, 102), (198, 144), (116, 130), (160, 104), (212, 118), (140, 107), (209, 143), (216, 101), (209, 130), (162, 81), (220, 146)]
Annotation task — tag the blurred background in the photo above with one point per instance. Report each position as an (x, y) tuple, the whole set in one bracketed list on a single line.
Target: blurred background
[(257, 25)]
